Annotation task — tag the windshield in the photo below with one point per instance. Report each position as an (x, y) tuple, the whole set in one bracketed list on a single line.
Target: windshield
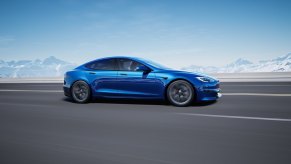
[(155, 64)]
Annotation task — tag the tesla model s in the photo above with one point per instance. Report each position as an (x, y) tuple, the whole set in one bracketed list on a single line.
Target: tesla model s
[(136, 78)]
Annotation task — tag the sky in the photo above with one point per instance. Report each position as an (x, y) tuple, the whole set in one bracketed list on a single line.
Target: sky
[(176, 33)]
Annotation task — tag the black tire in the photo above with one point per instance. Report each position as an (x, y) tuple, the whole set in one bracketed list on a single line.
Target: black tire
[(180, 93), (81, 92)]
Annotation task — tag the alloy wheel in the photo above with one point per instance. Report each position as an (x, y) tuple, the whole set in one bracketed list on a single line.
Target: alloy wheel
[(180, 93), (80, 92)]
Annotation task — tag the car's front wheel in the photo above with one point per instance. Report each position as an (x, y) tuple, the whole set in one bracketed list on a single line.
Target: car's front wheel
[(180, 93), (80, 92)]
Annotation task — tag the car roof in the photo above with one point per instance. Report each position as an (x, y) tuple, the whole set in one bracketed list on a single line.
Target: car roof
[(141, 60), (125, 57)]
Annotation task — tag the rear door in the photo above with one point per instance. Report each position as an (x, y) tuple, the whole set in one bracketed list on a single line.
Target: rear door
[(102, 75)]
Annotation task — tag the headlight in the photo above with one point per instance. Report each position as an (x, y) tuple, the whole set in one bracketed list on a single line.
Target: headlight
[(205, 79)]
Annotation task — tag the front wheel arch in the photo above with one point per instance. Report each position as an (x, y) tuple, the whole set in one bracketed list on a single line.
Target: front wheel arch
[(193, 87)]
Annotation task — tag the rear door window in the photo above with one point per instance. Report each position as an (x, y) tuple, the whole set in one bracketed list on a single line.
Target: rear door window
[(105, 64)]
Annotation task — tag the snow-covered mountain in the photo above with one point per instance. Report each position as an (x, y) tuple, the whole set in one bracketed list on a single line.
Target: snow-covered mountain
[(49, 67), (279, 64), (53, 67)]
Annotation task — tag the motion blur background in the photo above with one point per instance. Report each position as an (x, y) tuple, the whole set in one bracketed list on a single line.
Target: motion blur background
[(246, 44), (208, 36)]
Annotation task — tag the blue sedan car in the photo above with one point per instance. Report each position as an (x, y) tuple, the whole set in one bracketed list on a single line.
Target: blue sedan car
[(135, 78)]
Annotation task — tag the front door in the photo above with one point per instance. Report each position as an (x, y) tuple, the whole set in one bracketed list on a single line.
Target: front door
[(135, 84)]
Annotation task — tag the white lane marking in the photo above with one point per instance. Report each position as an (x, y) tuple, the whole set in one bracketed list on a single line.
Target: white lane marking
[(16, 90), (32, 82), (256, 94), (237, 117)]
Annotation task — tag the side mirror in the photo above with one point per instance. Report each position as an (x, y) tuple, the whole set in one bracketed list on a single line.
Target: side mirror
[(143, 68)]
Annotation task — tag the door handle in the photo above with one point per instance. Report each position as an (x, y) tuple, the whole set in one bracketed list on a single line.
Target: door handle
[(124, 74), (93, 73)]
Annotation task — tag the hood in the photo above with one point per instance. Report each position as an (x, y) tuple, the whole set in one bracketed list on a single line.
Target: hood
[(195, 74)]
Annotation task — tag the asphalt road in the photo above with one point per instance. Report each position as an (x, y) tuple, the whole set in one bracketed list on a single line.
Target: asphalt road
[(251, 123)]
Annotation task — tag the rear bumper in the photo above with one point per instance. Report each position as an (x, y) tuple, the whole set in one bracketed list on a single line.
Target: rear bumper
[(67, 91)]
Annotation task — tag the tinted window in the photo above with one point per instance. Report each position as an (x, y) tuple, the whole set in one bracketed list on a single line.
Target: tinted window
[(128, 65), (106, 64), (157, 65)]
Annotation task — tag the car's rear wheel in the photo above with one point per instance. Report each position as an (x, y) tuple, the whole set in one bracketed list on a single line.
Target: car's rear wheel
[(180, 93), (80, 92)]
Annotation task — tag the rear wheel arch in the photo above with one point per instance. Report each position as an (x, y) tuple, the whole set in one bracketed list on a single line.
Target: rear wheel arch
[(89, 87), (79, 80)]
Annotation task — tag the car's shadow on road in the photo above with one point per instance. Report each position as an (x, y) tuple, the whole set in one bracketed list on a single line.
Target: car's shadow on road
[(139, 102)]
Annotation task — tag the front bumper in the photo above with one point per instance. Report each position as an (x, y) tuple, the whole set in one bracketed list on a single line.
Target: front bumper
[(209, 92)]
